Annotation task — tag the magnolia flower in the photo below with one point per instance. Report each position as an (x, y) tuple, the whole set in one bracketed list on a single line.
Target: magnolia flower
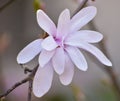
[(59, 51)]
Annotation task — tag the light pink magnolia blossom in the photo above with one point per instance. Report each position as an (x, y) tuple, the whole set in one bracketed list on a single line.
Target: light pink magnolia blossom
[(60, 51)]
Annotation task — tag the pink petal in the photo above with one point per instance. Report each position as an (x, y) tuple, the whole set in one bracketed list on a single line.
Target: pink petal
[(66, 77), (86, 35), (77, 58), (46, 23), (97, 53), (49, 43), (63, 24), (45, 57), (42, 80), (58, 60), (29, 52), (82, 18), (93, 50)]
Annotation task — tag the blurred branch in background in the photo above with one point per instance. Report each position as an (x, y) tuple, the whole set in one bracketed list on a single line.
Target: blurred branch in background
[(108, 70), (6, 4)]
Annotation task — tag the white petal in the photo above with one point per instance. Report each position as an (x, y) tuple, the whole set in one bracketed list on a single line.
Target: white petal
[(49, 43), (45, 57), (66, 77), (29, 52), (46, 23), (58, 60), (82, 18), (42, 80), (63, 24), (77, 58), (86, 35), (97, 53), (93, 50)]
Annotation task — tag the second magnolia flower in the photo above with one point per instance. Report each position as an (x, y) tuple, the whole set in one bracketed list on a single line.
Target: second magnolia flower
[(59, 51)]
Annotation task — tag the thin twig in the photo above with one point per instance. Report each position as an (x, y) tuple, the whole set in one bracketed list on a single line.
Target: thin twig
[(6, 4), (30, 90), (13, 87), (27, 70), (27, 79)]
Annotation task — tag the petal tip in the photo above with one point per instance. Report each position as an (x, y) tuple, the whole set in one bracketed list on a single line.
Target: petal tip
[(93, 9), (59, 72), (67, 10), (84, 69), (65, 83), (38, 11), (37, 94), (109, 64), (19, 60), (101, 37)]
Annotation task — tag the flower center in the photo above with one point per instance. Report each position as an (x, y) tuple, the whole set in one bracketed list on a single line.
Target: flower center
[(59, 41)]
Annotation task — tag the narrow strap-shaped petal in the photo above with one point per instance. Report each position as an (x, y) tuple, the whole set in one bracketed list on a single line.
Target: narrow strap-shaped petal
[(93, 50), (82, 18), (66, 77), (46, 23), (86, 35), (49, 43), (77, 58), (97, 53), (45, 57), (42, 80), (63, 24), (58, 60), (29, 52)]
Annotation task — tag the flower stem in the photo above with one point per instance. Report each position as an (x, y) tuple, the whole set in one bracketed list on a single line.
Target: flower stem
[(30, 90)]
